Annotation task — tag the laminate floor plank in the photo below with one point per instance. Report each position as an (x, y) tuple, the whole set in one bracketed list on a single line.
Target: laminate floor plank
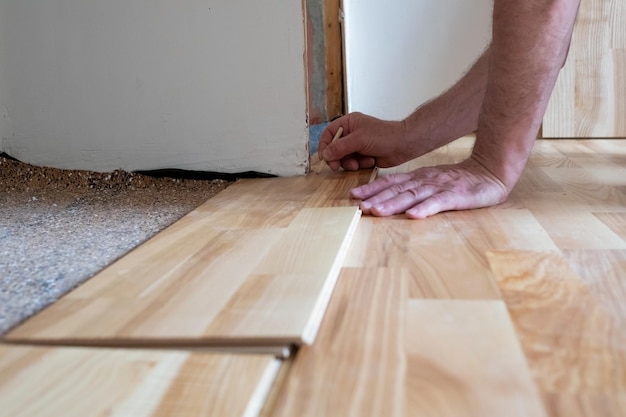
[(411, 292), (500, 228), (614, 221), (603, 273), (569, 222), (440, 263), (380, 352), (512, 310), (569, 316), (550, 153), (590, 187), (225, 275), (585, 405), (41, 381)]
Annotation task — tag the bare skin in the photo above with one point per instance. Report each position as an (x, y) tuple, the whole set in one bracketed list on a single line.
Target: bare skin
[(502, 98)]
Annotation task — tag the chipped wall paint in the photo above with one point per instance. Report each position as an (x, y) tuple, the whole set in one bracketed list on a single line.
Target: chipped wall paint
[(139, 84)]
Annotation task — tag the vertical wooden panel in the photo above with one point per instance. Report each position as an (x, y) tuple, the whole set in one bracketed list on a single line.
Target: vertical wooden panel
[(334, 58), (589, 99)]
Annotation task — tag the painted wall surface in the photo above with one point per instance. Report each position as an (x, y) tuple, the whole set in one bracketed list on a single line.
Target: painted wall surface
[(211, 85), (4, 122), (401, 53)]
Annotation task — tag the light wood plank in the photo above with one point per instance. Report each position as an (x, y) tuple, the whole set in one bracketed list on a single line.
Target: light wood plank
[(594, 186), (614, 221), (590, 95), (484, 372), (585, 405), (263, 287), (603, 273), (380, 353), (569, 316), (37, 381), (569, 219), (440, 262), (500, 228), (549, 153), (532, 180)]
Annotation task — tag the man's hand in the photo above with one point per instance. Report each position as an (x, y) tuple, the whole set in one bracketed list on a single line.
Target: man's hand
[(366, 142), (430, 190)]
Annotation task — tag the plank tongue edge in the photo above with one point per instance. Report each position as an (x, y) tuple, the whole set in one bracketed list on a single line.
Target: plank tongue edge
[(315, 320)]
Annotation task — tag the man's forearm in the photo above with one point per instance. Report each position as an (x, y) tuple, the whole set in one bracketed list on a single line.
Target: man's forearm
[(452, 114), (530, 43)]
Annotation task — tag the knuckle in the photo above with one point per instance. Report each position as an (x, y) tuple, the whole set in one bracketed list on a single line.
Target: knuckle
[(397, 188), (416, 193)]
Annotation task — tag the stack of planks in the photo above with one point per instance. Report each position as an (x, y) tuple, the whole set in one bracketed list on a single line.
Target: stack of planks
[(514, 310)]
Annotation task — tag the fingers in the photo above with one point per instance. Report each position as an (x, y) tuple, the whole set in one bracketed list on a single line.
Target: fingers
[(329, 133), (416, 203), (436, 203), (391, 194), (368, 190), (356, 162), (401, 202), (343, 151), (428, 191)]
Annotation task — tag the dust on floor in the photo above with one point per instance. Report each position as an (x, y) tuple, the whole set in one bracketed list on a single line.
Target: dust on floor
[(60, 227)]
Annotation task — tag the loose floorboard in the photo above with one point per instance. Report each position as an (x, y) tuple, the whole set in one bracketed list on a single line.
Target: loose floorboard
[(38, 381), (254, 266)]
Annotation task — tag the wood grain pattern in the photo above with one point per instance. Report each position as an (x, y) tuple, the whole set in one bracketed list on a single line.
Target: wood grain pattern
[(37, 381), (409, 291), (255, 265), (570, 318), (589, 99), (381, 353), (517, 309), (333, 38)]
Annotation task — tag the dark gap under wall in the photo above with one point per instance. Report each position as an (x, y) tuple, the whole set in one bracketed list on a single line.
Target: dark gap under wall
[(176, 173)]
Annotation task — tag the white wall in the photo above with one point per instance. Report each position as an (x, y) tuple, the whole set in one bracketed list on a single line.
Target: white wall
[(400, 53), (4, 122), (212, 85)]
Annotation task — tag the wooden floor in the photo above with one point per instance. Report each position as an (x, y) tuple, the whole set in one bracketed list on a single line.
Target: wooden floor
[(70, 381), (514, 310)]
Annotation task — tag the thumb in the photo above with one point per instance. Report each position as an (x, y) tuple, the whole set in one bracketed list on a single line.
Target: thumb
[(342, 147)]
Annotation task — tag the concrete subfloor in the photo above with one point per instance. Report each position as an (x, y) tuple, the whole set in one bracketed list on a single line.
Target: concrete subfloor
[(60, 227)]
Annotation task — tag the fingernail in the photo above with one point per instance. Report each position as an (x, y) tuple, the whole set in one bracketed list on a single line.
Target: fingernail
[(326, 154), (365, 205), (378, 208)]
